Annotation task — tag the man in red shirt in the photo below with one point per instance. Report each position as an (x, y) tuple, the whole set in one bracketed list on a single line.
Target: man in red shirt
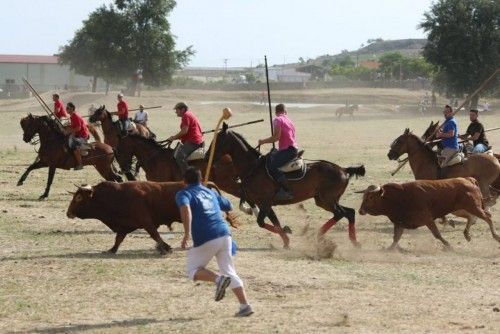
[(59, 109), (78, 133), (190, 135), (122, 114)]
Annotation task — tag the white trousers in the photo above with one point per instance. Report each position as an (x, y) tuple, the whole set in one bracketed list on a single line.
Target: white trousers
[(220, 248)]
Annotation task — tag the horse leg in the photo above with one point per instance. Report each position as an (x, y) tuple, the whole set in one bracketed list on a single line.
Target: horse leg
[(245, 208), (118, 240), (52, 172), (275, 228), (35, 165), (350, 214), (106, 171)]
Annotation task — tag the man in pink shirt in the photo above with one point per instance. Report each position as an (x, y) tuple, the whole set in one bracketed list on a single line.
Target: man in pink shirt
[(284, 134)]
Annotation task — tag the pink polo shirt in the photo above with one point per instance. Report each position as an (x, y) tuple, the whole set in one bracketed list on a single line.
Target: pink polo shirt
[(287, 137)]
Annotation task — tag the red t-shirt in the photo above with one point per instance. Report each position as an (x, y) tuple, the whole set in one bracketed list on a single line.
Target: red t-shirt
[(78, 122), (194, 134), (122, 110), (60, 110)]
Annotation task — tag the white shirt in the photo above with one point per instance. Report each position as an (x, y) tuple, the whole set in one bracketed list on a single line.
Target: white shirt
[(141, 117)]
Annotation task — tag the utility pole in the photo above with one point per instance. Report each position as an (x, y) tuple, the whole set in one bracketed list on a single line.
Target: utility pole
[(225, 65)]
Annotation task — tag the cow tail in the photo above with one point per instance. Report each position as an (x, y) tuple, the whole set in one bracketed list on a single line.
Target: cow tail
[(357, 171), (230, 216)]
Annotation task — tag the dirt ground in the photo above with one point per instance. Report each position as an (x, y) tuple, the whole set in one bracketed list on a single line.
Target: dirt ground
[(56, 280)]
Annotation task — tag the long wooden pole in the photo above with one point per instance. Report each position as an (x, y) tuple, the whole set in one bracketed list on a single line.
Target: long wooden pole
[(136, 109), (226, 114), (42, 102), (269, 98), (236, 125)]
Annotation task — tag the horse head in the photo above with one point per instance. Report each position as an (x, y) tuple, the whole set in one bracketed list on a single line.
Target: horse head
[(222, 144), (98, 114), (30, 126), (399, 146), (430, 132)]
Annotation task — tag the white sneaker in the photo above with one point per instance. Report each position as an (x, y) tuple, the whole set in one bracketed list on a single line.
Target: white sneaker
[(244, 312), (222, 285)]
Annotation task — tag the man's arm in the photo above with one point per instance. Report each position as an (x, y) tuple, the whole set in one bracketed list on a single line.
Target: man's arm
[(275, 137), (186, 218), (183, 132)]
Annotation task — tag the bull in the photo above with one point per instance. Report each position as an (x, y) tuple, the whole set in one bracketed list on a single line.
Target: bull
[(414, 204), (126, 207)]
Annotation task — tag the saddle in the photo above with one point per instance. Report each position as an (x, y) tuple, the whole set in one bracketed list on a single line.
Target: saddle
[(459, 157), (84, 149), (293, 170), (198, 154)]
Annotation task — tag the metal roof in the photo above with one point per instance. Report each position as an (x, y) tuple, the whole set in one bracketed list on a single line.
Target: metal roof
[(28, 59)]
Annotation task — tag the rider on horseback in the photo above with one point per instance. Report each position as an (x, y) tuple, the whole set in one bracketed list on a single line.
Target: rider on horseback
[(284, 133), (449, 134), (59, 109), (122, 114), (190, 135), (78, 134), (475, 133)]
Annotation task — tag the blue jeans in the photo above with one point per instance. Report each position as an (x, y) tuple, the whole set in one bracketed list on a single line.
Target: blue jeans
[(278, 159), (480, 148)]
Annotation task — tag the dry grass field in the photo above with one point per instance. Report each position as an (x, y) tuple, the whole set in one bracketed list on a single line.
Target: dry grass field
[(56, 280)]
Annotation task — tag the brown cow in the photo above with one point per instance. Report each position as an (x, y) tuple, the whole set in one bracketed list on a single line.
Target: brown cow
[(414, 204), (126, 207)]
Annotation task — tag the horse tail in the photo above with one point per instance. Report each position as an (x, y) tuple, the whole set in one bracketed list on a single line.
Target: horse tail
[(358, 171)]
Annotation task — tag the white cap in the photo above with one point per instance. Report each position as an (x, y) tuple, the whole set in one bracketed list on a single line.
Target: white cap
[(120, 95)]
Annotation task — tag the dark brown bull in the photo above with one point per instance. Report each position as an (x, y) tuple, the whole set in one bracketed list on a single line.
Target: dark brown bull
[(126, 207), (418, 203)]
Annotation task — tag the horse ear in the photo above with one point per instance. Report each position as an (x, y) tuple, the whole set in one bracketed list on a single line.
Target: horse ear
[(407, 130), (432, 123), (224, 127)]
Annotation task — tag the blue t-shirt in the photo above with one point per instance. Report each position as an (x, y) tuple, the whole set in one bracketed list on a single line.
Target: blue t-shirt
[(450, 124), (207, 221)]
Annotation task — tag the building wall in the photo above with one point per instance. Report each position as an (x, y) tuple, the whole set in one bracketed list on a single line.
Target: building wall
[(45, 77)]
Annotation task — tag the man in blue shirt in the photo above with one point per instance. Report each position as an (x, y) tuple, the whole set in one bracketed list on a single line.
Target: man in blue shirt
[(449, 134), (201, 216)]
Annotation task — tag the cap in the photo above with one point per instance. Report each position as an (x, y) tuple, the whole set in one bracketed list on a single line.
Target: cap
[(120, 95), (181, 105)]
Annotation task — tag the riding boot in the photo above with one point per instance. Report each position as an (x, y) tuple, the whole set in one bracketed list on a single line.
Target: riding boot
[(284, 193), (78, 158)]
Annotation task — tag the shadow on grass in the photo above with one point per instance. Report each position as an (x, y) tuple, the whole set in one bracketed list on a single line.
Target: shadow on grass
[(129, 255), (123, 324)]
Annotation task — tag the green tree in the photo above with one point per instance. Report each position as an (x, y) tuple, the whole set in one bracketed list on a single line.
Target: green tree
[(464, 43), (117, 41)]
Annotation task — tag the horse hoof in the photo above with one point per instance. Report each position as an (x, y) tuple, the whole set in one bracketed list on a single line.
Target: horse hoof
[(287, 229), (43, 197), (108, 252), (356, 244), (287, 247), (19, 183), (467, 237)]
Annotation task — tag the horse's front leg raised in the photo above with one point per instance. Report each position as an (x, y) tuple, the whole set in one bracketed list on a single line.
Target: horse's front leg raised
[(52, 172), (267, 211), (35, 165)]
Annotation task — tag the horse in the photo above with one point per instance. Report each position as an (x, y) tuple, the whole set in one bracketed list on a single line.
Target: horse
[(111, 129), (159, 164), (54, 153), (349, 110), (323, 180)]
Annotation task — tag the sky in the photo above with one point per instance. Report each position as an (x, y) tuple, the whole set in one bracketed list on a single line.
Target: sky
[(239, 32)]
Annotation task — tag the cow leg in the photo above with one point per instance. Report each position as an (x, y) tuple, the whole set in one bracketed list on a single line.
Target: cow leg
[(52, 172), (398, 232), (486, 216), (471, 220), (35, 165), (161, 245), (435, 232), (118, 240)]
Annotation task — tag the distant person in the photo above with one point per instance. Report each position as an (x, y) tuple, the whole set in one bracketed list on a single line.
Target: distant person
[(190, 135), (284, 134), (78, 134), (201, 216), (449, 135), (59, 110), (122, 113), (141, 117), (475, 133)]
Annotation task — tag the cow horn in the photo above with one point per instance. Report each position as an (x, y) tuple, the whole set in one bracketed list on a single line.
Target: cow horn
[(71, 192)]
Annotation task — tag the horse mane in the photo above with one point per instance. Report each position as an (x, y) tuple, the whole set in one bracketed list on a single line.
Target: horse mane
[(148, 141), (245, 143), (428, 149), (52, 125)]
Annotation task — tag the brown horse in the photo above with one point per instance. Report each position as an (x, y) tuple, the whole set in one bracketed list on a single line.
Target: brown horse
[(324, 181), (348, 110), (111, 129), (54, 153), (159, 164)]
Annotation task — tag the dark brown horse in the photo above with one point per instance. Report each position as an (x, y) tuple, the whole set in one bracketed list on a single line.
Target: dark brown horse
[(324, 181), (111, 129), (54, 153), (159, 164)]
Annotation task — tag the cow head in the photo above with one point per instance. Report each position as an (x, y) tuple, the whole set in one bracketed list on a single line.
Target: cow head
[(81, 199), (372, 200), (399, 146)]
